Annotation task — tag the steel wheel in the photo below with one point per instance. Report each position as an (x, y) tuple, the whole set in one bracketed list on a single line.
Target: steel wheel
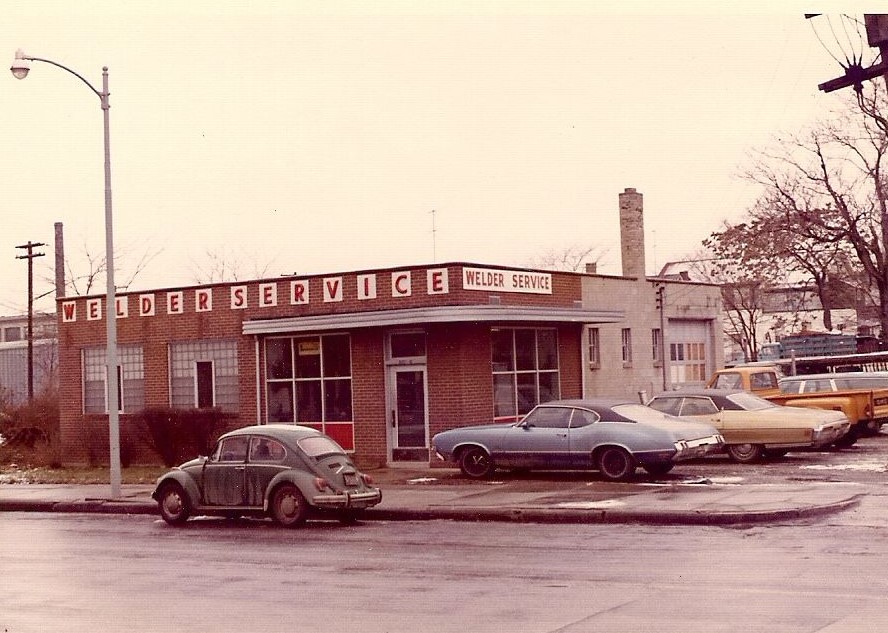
[(174, 505), (288, 506), (474, 462), (615, 464), (745, 453)]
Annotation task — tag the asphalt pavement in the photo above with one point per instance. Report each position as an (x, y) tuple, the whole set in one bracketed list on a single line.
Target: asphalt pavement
[(427, 494)]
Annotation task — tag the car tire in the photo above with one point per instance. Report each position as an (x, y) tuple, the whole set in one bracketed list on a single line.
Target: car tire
[(658, 470), (175, 507), (475, 463), (288, 506), (745, 453), (849, 439), (615, 464)]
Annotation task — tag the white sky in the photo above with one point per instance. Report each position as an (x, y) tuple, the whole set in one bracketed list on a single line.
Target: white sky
[(320, 135)]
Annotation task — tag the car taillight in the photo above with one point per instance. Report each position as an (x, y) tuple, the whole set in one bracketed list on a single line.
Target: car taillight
[(321, 484), (368, 480)]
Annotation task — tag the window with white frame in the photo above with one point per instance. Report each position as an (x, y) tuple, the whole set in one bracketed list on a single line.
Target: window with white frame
[(204, 374), (130, 383), (594, 347), (627, 345), (308, 379), (525, 370)]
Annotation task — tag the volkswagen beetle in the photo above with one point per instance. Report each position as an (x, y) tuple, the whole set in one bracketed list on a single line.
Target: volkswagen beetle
[(282, 470)]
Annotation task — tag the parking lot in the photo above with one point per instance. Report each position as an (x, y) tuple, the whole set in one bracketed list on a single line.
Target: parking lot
[(865, 462)]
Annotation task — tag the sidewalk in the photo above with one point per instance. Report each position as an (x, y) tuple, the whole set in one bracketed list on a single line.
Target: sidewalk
[(438, 494)]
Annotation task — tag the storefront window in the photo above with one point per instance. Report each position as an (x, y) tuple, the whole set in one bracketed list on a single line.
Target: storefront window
[(525, 370), (308, 379)]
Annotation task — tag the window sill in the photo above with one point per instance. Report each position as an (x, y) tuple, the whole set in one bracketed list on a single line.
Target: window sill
[(627, 364), (594, 366)]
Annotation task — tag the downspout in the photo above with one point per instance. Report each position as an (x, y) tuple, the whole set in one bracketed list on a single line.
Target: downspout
[(258, 385)]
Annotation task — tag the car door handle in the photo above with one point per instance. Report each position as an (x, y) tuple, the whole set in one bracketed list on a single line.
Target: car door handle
[(240, 467), (561, 434)]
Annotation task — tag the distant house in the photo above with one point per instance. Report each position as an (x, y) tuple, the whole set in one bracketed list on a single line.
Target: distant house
[(14, 356)]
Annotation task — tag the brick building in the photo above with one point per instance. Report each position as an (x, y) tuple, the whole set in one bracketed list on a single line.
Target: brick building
[(381, 359)]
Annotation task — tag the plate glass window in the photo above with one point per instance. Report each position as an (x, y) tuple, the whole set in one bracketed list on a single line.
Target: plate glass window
[(525, 370)]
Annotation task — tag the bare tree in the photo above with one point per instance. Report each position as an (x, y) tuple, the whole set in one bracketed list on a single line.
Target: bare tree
[(223, 264), (744, 288), (830, 186), (572, 258), (85, 272)]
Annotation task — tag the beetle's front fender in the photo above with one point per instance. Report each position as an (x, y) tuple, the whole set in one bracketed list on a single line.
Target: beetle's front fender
[(183, 479)]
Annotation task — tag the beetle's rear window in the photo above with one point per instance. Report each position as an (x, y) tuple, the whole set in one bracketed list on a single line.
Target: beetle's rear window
[(320, 445)]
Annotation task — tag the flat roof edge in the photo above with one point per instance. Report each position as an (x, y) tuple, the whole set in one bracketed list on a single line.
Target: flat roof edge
[(443, 314)]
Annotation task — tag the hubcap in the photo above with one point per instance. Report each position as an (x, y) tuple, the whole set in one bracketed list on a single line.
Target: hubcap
[(173, 503), (288, 505)]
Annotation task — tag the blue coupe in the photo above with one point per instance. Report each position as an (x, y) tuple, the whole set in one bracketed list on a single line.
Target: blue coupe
[(613, 437)]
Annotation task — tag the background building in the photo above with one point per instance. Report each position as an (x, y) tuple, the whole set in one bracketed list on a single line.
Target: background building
[(14, 356)]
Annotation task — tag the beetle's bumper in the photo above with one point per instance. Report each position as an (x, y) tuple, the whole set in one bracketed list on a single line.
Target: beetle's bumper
[(348, 499)]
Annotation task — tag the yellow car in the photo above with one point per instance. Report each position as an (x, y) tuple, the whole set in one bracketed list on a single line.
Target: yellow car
[(753, 427)]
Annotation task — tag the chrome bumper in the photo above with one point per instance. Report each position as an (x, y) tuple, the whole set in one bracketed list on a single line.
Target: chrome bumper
[(830, 434), (348, 500), (700, 447)]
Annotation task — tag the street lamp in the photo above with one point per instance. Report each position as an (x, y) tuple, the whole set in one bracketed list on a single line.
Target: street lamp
[(20, 67)]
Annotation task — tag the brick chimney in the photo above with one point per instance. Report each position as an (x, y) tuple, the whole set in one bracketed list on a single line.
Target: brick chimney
[(632, 233)]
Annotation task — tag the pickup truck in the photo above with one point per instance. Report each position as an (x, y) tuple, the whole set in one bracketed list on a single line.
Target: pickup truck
[(866, 408)]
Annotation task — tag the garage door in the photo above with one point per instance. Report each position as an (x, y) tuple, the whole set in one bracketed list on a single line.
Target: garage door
[(688, 352)]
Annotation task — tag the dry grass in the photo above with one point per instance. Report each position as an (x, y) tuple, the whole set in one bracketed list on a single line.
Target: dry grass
[(41, 465), (23, 474)]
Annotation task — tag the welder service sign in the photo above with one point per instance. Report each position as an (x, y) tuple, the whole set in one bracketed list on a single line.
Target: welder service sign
[(498, 280)]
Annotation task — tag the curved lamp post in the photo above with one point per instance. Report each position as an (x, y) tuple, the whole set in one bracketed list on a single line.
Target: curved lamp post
[(20, 67)]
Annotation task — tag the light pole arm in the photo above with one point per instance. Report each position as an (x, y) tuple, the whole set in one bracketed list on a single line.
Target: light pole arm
[(103, 96)]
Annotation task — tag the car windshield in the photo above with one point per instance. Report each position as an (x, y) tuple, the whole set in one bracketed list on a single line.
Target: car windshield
[(750, 402), (641, 413), (320, 445)]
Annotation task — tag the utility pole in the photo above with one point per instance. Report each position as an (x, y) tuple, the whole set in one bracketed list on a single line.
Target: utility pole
[(30, 246)]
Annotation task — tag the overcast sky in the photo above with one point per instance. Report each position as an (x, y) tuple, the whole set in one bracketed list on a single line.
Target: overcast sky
[(317, 137)]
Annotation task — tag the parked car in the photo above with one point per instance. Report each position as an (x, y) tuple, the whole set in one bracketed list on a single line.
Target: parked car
[(282, 470), (752, 426), (613, 437)]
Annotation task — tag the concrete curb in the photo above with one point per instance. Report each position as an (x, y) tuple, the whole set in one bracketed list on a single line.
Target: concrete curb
[(540, 515), (551, 515)]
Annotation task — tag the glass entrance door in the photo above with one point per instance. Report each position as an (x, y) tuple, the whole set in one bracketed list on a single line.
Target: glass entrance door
[(409, 415)]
